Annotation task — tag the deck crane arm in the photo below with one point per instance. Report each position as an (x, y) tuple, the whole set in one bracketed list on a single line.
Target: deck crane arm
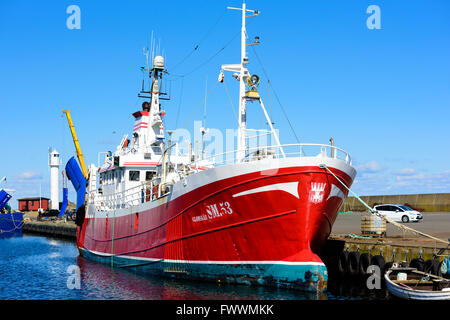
[(77, 145)]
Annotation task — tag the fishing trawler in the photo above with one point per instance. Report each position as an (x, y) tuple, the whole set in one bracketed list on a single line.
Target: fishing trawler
[(10, 222), (254, 216)]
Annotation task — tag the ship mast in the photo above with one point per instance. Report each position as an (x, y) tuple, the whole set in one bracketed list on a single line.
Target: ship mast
[(242, 74), (152, 131), (155, 109), (242, 143)]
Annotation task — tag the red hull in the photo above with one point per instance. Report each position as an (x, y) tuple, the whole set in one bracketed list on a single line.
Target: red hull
[(254, 217), (247, 234)]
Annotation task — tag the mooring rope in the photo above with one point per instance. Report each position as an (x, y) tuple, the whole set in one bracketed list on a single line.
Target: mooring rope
[(374, 212), (16, 227)]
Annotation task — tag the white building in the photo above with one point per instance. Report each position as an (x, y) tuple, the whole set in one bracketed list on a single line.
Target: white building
[(54, 163)]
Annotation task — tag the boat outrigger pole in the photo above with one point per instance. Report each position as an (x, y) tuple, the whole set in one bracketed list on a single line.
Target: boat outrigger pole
[(77, 145)]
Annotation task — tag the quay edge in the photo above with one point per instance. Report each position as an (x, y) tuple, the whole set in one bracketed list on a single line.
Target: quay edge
[(52, 229)]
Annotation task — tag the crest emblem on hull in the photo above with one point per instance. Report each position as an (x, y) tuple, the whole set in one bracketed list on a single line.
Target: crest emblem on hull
[(317, 192)]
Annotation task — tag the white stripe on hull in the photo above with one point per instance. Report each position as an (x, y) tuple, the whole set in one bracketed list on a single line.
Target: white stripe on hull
[(290, 187), (208, 261)]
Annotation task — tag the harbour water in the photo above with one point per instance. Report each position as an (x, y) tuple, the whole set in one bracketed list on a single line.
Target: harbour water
[(40, 268)]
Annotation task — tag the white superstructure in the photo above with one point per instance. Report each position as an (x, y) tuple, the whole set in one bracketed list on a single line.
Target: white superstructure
[(143, 161)]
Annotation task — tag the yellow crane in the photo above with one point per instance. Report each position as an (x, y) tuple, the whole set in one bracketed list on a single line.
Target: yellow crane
[(77, 145)]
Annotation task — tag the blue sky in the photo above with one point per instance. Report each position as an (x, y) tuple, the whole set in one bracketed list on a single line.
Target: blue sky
[(383, 95)]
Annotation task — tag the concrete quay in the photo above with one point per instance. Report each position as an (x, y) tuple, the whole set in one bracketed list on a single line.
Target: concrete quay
[(51, 228), (348, 253)]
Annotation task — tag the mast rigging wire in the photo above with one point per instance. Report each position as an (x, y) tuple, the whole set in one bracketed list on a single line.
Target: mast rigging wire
[(179, 104), (200, 42), (198, 107), (210, 58), (374, 212), (231, 101), (275, 93)]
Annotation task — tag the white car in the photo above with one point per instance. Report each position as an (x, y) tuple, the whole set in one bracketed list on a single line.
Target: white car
[(398, 212)]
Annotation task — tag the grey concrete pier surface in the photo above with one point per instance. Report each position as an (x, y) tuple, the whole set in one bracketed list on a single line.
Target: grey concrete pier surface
[(396, 246), (436, 224)]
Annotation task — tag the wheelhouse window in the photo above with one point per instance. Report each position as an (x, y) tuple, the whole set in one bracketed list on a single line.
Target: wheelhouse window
[(134, 176), (156, 150), (149, 175)]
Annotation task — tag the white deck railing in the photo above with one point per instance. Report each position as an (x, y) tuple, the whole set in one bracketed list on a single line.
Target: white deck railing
[(275, 152), (145, 192)]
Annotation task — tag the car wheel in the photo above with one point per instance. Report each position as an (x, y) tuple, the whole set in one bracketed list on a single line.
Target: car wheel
[(405, 219)]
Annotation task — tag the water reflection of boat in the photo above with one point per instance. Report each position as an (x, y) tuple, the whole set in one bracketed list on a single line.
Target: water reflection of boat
[(99, 281)]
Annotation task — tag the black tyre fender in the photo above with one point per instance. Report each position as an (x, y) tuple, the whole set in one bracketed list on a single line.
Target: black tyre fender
[(378, 261), (353, 263), (342, 265), (364, 263), (417, 263), (405, 219), (433, 266)]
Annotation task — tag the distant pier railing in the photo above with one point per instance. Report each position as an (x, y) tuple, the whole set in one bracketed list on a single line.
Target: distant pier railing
[(431, 202)]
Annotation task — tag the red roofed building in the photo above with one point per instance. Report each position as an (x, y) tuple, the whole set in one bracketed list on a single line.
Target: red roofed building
[(33, 204)]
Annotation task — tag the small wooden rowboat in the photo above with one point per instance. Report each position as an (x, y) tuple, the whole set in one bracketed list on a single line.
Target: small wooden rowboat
[(409, 283)]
